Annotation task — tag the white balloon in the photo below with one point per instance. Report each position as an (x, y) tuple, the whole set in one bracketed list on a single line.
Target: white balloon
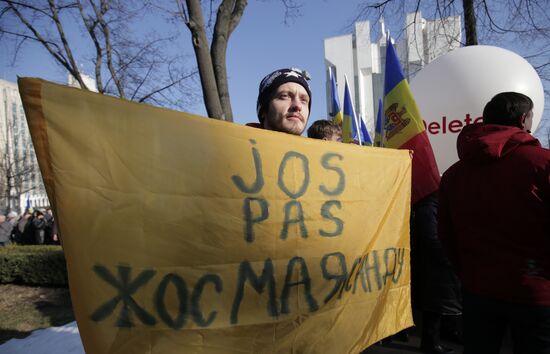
[(452, 91)]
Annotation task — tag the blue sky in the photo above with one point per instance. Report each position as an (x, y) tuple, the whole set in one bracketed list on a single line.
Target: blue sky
[(260, 44)]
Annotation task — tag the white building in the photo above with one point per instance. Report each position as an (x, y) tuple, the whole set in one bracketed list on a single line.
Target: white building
[(20, 178), (362, 61), (88, 81)]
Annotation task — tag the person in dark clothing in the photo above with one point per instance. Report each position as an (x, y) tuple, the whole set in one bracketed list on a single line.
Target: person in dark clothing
[(51, 228), (5, 231), (434, 281), (494, 221), (38, 224), (23, 234)]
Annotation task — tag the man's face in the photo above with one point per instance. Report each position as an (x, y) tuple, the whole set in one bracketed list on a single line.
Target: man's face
[(288, 109)]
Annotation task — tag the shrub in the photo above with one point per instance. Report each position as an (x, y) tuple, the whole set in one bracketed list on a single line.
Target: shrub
[(33, 265)]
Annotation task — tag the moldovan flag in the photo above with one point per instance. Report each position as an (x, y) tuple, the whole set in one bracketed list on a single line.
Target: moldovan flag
[(404, 128), (184, 234), (336, 112)]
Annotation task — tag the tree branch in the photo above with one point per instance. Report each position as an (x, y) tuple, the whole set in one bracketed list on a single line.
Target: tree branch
[(108, 47), (72, 63), (142, 81), (58, 56), (90, 27), (204, 60), (149, 95)]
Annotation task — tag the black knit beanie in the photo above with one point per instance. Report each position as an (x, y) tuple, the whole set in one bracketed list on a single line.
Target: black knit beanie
[(277, 78)]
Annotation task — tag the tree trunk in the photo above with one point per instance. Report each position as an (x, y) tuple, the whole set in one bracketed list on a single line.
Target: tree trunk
[(470, 22), (218, 53), (204, 61), (71, 61), (228, 17)]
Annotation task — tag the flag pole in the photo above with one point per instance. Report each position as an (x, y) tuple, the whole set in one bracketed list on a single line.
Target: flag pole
[(332, 110)]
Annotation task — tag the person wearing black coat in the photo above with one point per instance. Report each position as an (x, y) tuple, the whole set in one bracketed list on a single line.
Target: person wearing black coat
[(23, 234), (39, 227), (51, 229), (434, 280)]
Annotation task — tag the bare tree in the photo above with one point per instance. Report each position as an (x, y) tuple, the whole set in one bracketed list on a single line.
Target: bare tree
[(17, 176), (211, 59), (211, 48), (526, 23), (128, 61)]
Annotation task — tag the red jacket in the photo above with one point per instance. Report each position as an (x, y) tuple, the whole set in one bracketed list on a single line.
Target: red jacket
[(494, 216)]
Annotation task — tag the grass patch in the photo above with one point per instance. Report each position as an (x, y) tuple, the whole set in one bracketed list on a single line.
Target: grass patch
[(24, 309)]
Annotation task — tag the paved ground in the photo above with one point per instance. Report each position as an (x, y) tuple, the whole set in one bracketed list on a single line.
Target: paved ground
[(413, 345)]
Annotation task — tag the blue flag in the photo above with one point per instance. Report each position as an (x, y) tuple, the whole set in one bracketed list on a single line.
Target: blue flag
[(379, 131), (336, 112), (366, 136), (349, 126)]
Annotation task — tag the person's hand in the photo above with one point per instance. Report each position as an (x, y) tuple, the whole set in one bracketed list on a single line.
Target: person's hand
[(55, 237)]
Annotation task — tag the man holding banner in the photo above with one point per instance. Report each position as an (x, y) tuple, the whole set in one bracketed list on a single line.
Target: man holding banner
[(269, 253)]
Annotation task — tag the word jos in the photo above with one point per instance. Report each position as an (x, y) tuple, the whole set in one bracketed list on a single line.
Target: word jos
[(293, 210)]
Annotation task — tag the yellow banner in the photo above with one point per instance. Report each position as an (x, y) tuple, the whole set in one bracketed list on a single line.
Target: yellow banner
[(189, 235)]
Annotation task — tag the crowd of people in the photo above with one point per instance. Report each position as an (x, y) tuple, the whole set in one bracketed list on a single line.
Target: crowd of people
[(33, 227), (480, 245)]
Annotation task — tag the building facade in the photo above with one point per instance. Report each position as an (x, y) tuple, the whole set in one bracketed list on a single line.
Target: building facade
[(20, 179), (21, 183), (362, 61)]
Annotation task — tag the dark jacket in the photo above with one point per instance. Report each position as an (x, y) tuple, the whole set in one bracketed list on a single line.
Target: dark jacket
[(39, 227), (24, 234), (435, 285), (494, 216)]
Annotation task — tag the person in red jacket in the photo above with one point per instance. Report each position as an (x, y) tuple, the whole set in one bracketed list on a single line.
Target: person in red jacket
[(494, 221)]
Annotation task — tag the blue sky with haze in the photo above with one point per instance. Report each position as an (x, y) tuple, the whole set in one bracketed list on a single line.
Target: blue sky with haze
[(260, 44)]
